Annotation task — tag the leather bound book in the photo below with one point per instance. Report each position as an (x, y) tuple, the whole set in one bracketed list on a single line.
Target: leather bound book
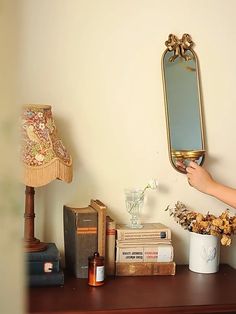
[(47, 261), (40, 267), (50, 254), (101, 210), (110, 246), (145, 269), (80, 238), (42, 280)]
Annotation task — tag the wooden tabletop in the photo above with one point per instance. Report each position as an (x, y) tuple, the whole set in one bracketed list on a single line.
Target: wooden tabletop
[(186, 292)]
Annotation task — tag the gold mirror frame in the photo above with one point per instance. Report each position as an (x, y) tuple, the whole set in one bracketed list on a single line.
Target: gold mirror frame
[(179, 51)]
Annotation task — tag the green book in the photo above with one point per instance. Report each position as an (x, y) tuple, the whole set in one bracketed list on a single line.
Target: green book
[(80, 238), (46, 279), (50, 254), (47, 261), (41, 267)]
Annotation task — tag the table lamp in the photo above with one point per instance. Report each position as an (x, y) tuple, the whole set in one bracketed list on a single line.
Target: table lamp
[(44, 159)]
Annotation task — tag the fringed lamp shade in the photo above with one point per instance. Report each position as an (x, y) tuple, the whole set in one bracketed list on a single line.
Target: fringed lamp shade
[(44, 158)]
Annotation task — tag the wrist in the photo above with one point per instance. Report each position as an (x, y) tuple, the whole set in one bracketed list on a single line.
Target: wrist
[(212, 188)]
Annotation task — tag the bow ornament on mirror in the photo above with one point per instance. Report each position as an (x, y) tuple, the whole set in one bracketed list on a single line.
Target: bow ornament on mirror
[(179, 46)]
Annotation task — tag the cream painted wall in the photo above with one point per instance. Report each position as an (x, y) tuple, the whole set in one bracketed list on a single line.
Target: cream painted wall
[(98, 62), (12, 295)]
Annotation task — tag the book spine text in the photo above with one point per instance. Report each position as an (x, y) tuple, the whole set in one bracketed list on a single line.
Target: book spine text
[(158, 253)]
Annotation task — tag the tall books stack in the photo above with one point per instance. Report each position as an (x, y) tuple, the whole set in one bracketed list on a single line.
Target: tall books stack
[(143, 252), (84, 234), (43, 268)]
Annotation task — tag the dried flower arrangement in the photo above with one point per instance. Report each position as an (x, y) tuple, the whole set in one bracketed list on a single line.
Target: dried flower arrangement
[(223, 226)]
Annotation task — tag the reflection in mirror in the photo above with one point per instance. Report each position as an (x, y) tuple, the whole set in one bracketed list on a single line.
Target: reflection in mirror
[(182, 102)]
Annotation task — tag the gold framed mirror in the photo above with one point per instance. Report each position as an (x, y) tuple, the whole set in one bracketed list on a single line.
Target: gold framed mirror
[(182, 102)]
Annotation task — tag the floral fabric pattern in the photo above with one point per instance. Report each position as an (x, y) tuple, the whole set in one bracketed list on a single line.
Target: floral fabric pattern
[(40, 142)]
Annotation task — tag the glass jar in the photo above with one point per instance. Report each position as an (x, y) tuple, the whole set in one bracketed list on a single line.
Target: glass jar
[(96, 270)]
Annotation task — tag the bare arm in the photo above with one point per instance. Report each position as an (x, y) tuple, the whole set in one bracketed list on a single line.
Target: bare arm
[(201, 180)]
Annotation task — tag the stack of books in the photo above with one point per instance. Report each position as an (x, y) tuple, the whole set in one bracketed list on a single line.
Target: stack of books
[(146, 251), (43, 268), (84, 234)]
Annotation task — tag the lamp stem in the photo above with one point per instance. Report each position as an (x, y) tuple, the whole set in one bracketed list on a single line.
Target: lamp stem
[(31, 243)]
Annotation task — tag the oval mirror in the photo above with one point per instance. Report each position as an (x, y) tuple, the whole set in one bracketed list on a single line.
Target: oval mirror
[(182, 102)]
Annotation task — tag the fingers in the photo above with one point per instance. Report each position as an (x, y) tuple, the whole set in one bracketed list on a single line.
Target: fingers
[(180, 163), (186, 168), (193, 164), (190, 170), (184, 164)]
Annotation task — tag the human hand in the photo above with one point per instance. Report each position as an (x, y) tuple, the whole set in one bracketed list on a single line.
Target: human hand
[(199, 178), (180, 165)]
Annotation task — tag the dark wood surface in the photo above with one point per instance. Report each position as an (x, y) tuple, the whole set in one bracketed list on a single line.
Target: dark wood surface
[(186, 292)]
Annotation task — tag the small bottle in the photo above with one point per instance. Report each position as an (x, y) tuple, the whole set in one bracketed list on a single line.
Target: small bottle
[(96, 270)]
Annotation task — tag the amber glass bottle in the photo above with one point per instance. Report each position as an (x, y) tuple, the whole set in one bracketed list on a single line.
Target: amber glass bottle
[(96, 270)]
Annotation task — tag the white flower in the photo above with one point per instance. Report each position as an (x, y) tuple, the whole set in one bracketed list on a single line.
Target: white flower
[(153, 184)]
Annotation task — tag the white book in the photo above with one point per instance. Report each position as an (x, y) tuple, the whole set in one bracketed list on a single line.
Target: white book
[(156, 253), (141, 242)]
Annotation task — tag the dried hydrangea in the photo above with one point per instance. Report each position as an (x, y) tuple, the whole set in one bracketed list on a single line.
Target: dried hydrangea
[(223, 226)]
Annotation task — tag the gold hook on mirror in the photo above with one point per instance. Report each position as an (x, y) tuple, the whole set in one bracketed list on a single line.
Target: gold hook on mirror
[(179, 46)]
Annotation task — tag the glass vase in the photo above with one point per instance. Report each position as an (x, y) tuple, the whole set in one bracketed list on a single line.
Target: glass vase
[(134, 199)]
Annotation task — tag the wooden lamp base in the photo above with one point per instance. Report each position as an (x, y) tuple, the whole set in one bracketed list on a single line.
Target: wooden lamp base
[(34, 246), (31, 244)]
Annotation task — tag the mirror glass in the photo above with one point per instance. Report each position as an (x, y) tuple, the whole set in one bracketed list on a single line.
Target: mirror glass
[(182, 102)]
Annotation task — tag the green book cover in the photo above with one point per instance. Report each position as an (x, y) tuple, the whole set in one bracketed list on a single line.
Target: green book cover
[(50, 254), (41, 267), (80, 238), (47, 279)]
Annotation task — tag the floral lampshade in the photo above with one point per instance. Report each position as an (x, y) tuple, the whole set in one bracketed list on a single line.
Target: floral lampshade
[(44, 156)]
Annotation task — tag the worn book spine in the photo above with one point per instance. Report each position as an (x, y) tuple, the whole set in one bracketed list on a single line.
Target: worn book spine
[(154, 235), (157, 253), (80, 238), (40, 267), (150, 231), (145, 269), (41, 280), (110, 246), (101, 210), (141, 242)]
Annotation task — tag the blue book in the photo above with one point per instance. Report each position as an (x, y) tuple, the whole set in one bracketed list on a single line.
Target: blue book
[(47, 261), (41, 267), (50, 254), (47, 279)]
